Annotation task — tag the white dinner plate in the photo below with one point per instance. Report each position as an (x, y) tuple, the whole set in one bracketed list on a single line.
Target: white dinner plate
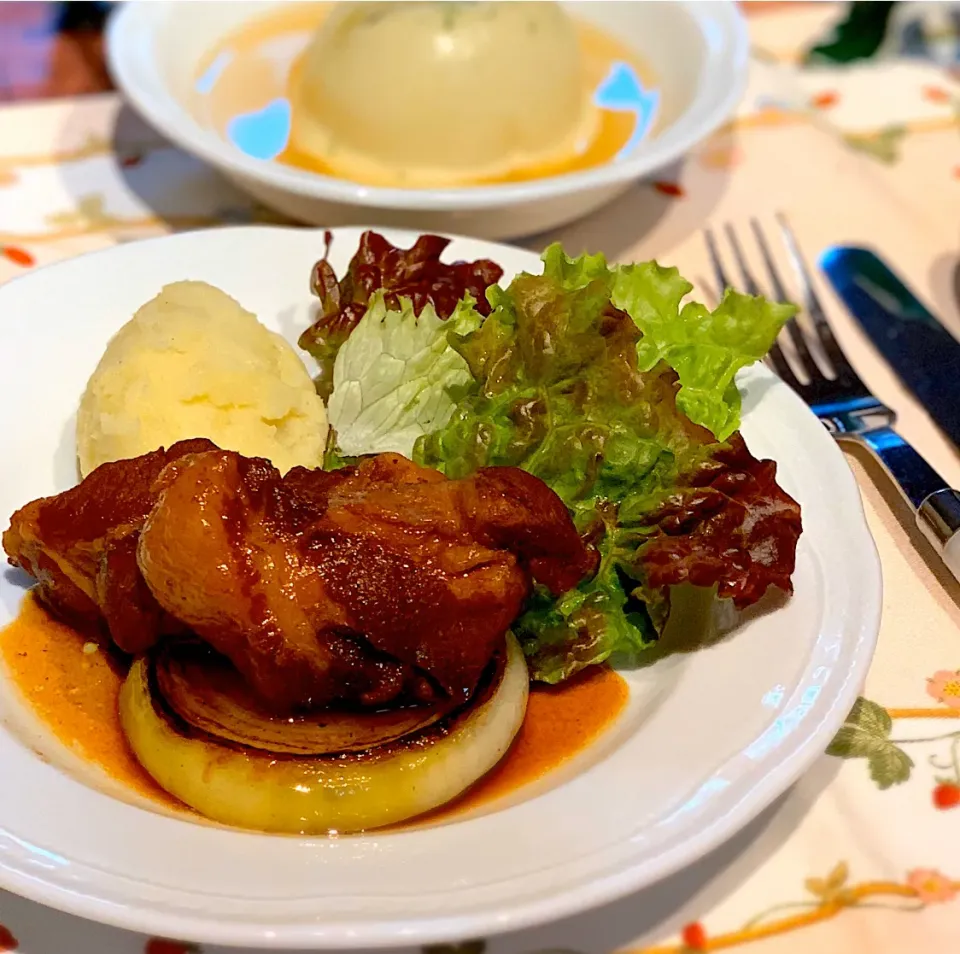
[(707, 740)]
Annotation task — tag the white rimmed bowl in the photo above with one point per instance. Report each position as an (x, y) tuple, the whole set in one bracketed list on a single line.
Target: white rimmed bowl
[(697, 48), (707, 740)]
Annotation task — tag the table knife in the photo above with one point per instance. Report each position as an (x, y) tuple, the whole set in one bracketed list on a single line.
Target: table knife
[(925, 356)]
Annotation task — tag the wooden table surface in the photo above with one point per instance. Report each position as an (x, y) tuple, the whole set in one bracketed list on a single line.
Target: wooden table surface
[(56, 49)]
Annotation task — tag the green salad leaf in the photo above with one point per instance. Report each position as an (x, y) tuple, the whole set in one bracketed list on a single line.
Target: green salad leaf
[(396, 378), (594, 379), (705, 348)]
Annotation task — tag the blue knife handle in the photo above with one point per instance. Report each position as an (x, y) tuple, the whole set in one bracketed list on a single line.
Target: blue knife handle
[(915, 344)]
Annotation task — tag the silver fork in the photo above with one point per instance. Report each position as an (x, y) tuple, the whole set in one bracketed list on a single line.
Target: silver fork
[(839, 398)]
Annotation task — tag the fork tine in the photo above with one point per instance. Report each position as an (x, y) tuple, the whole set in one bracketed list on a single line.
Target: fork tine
[(810, 366), (782, 367), (750, 285), (723, 282), (811, 301)]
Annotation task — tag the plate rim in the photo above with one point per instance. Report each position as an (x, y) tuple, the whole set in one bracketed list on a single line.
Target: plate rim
[(590, 894)]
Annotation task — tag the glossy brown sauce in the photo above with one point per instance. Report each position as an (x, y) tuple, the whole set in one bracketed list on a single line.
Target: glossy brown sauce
[(560, 722), (74, 692)]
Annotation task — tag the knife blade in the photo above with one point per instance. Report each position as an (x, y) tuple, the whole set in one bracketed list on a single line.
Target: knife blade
[(925, 356)]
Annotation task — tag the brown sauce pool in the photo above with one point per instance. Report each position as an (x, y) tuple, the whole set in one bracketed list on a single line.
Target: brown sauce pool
[(74, 692)]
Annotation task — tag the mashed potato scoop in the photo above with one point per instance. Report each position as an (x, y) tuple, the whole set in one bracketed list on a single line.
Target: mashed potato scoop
[(193, 363)]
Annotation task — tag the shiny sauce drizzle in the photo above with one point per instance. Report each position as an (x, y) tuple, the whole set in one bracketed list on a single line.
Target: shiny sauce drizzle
[(74, 691)]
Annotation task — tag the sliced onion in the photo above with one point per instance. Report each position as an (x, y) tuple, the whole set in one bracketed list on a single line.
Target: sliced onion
[(245, 778), (206, 691)]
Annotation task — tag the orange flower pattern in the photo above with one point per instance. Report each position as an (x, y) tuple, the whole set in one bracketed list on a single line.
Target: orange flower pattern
[(694, 937), (828, 898), (825, 100), (944, 686), (936, 94), (931, 886), (19, 256), (946, 795)]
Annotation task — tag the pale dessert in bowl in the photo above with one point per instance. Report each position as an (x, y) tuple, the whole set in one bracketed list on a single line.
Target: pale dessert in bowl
[(441, 94)]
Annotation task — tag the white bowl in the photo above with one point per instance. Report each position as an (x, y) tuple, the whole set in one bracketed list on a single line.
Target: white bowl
[(697, 48)]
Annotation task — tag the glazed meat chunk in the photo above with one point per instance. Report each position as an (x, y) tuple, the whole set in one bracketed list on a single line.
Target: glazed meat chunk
[(80, 546), (362, 584), (384, 583)]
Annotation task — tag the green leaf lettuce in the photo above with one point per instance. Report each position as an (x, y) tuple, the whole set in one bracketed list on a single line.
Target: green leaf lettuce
[(597, 381), (396, 377)]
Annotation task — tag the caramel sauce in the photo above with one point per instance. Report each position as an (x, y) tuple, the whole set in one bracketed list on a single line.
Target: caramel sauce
[(257, 64), (615, 129), (75, 695), (560, 722)]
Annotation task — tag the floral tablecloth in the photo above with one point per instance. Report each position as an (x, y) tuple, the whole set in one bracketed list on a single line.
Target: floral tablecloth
[(864, 853)]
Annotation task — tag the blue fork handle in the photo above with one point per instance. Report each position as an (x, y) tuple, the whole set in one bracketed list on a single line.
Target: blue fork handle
[(935, 502)]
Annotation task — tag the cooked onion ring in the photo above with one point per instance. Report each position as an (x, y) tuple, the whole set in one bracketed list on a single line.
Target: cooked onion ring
[(251, 785)]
